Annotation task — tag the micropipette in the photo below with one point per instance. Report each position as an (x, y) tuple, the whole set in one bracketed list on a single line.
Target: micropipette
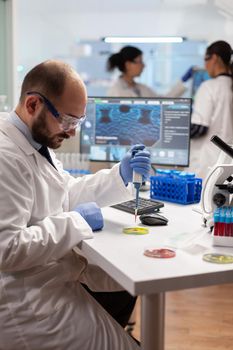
[(137, 181)]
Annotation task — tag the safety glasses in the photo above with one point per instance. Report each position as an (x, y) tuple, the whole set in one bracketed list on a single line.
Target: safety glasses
[(67, 121)]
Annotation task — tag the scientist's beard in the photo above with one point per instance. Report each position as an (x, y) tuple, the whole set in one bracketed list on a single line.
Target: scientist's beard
[(42, 134)]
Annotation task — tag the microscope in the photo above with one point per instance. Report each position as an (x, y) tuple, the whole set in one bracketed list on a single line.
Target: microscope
[(218, 185)]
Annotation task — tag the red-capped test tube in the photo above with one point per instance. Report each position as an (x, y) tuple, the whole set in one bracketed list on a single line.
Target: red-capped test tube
[(216, 221)]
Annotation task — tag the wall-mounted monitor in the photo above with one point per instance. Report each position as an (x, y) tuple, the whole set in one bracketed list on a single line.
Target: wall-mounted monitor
[(114, 124)]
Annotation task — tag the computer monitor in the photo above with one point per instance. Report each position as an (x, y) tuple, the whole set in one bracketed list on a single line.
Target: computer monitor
[(199, 75), (114, 124)]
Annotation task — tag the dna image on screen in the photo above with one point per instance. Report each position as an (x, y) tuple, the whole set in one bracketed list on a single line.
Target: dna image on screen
[(122, 124), (113, 125)]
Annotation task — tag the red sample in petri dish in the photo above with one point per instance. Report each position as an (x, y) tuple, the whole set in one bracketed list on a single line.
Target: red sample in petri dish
[(161, 253)]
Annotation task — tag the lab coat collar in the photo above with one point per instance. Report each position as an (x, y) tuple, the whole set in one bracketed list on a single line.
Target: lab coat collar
[(48, 171), (18, 122), (15, 134), (123, 83)]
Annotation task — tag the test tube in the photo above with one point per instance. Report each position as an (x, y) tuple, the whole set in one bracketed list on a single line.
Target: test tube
[(231, 222), (228, 222), (216, 222), (222, 221)]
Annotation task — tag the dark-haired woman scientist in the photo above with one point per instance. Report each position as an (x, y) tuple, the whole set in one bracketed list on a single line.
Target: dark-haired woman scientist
[(213, 108), (129, 61)]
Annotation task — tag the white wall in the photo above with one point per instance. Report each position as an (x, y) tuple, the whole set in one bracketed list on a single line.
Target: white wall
[(43, 33), (50, 28)]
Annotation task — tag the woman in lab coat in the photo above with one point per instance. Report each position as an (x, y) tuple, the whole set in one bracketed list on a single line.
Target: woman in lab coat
[(212, 109), (129, 61), (43, 305)]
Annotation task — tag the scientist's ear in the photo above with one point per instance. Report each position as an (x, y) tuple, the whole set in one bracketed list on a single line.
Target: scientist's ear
[(32, 104), (215, 58)]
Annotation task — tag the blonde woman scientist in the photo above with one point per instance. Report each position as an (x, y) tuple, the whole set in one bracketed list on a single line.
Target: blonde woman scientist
[(212, 109), (129, 61)]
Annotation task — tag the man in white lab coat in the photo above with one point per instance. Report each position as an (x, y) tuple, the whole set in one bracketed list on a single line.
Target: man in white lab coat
[(45, 213)]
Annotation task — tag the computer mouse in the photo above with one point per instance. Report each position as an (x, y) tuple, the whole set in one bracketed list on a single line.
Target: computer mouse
[(153, 219)]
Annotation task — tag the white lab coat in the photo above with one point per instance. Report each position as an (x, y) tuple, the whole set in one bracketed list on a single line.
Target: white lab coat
[(213, 107), (121, 89), (42, 303)]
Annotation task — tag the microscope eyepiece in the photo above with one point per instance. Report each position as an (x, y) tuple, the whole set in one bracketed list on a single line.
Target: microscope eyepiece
[(222, 145)]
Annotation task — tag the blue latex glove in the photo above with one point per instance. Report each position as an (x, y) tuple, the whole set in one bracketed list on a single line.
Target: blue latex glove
[(92, 214), (187, 75), (139, 162)]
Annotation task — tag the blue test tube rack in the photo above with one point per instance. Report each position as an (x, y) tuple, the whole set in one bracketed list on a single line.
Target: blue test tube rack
[(175, 186)]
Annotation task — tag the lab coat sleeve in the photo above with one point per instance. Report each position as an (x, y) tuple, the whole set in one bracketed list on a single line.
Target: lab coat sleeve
[(177, 90), (114, 91), (23, 243), (203, 106), (146, 91), (106, 187)]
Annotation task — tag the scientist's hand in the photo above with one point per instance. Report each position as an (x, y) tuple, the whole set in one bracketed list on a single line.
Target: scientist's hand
[(92, 214), (136, 159), (188, 74)]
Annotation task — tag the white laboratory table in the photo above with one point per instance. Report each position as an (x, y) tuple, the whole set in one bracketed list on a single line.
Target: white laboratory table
[(121, 256)]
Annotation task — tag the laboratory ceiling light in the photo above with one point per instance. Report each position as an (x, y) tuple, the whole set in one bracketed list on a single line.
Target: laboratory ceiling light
[(152, 39)]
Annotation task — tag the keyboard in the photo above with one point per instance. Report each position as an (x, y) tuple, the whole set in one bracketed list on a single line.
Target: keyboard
[(145, 206)]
